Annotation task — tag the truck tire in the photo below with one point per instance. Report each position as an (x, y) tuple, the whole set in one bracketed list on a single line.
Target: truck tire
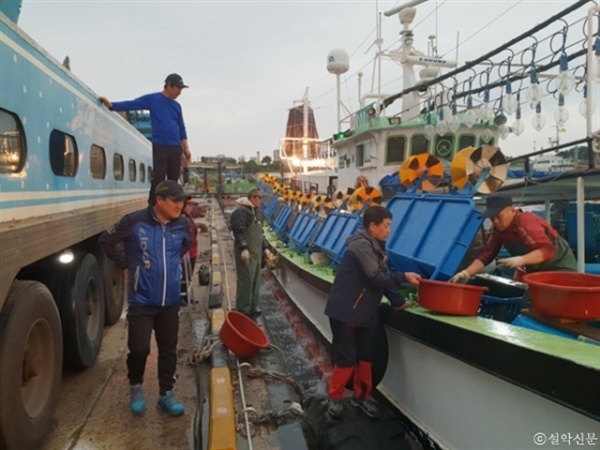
[(114, 289), (31, 355), (79, 292)]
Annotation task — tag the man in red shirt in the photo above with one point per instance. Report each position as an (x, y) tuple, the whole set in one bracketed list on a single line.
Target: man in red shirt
[(531, 241)]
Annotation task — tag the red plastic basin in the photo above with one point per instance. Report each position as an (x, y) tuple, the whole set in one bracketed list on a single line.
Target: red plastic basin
[(242, 335), (568, 295), (450, 298)]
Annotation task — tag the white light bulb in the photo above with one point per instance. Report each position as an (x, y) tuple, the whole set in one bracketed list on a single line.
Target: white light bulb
[(503, 131), (534, 94), (509, 103), (538, 121), (561, 115), (517, 127), (453, 123), (565, 82), (470, 118), (583, 108), (485, 112), (429, 131), (441, 127), (487, 136)]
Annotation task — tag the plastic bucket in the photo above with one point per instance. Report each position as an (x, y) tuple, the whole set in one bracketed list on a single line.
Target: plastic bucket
[(568, 295), (242, 335), (450, 298)]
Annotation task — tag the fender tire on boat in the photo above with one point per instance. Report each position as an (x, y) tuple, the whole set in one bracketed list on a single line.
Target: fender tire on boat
[(380, 356), (114, 289), (381, 352), (79, 293), (30, 364)]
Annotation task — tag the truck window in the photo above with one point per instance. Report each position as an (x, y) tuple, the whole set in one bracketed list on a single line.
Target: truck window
[(12, 143), (64, 156), (118, 167), (97, 162), (132, 170)]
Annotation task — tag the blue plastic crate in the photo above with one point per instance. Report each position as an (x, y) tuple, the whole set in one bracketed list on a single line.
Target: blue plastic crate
[(281, 220), (431, 233), (501, 309), (332, 235), (302, 231)]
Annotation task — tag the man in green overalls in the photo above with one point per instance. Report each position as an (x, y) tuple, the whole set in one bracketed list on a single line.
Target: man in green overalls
[(248, 247), (531, 241)]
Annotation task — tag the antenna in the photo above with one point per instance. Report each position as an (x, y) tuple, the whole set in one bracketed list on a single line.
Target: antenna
[(391, 12)]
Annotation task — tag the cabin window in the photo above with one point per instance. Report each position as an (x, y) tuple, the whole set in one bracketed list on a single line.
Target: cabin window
[(142, 173), (395, 150), (97, 162), (12, 143), (360, 155), (466, 140), (118, 167), (420, 144), (132, 170), (444, 145), (63, 154), (150, 174)]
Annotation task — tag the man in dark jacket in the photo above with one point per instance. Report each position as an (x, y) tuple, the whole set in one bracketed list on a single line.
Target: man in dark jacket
[(154, 241), (362, 279), (248, 247)]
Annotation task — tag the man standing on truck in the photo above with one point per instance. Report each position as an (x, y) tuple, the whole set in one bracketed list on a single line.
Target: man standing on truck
[(154, 241), (169, 136)]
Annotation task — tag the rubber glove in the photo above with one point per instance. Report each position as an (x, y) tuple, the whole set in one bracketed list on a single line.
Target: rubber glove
[(509, 263), (245, 256), (461, 277)]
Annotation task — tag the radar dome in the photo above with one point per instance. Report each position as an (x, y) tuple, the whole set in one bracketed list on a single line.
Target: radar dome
[(338, 61)]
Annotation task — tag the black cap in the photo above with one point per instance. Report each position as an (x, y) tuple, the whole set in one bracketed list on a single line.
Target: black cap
[(175, 80), (255, 192), (170, 188), (496, 203)]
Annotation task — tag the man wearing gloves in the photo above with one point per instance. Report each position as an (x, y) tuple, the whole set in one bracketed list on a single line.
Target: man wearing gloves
[(248, 247), (531, 241), (361, 281)]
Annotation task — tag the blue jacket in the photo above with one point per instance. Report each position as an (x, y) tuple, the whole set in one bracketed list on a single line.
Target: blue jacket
[(166, 117), (151, 255), (362, 279)]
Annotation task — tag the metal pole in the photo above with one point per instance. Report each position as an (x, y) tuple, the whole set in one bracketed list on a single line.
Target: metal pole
[(580, 225), (337, 76)]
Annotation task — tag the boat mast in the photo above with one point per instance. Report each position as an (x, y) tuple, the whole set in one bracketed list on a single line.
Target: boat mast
[(305, 106)]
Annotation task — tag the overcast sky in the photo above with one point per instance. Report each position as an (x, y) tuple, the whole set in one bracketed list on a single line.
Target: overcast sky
[(246, 62)]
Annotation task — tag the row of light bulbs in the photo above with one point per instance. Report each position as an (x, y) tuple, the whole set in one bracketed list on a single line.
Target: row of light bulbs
[(565, 82)]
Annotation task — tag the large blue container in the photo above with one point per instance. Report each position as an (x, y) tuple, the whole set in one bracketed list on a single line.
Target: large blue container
[(431, 233), (331, 238), (302, 231)]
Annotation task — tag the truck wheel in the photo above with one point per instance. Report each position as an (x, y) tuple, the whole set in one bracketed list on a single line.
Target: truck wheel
[(80, 301), (30, 364), (114, 289)]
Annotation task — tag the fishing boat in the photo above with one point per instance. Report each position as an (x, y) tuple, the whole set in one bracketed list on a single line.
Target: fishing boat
[(475, 381)]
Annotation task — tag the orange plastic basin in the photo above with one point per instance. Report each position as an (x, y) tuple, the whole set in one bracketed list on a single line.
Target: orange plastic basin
[(568, 295), (242, 335), (450, 298)]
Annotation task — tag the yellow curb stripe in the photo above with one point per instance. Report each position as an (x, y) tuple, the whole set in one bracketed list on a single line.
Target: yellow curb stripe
[(217, 319), (222, 433)]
